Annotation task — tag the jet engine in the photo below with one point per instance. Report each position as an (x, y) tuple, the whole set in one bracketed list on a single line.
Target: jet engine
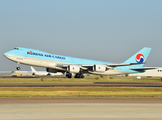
[(73, 69), (99, 68)]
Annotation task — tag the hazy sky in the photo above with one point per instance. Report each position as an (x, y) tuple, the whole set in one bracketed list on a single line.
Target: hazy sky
[(106, 30)]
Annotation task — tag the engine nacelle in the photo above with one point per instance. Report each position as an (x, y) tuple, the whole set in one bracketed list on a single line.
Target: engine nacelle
[(99, 68), (51, 70), (73, 69)]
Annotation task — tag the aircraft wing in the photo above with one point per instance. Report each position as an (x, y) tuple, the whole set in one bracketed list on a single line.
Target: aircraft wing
[(62, 65), (85, 67)]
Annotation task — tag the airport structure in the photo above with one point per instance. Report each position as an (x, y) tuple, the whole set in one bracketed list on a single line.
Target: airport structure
[(5, 73), (33, 72), (21, 73)]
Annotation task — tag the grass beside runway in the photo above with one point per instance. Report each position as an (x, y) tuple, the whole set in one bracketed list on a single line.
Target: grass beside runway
[(83, 91), (86, 79)]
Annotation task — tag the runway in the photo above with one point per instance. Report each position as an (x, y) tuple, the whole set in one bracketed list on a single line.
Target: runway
[(81, 108), (78, 84), (15, 100)]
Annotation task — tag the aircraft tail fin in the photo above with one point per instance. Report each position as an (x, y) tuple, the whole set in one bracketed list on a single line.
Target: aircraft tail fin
[(139, 57), (33, 70)]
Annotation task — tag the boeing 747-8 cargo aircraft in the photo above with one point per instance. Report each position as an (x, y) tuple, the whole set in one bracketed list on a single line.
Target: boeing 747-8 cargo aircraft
[(59, 63)]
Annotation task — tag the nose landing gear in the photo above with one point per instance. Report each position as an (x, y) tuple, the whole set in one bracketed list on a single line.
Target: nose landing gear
[(18, 68)]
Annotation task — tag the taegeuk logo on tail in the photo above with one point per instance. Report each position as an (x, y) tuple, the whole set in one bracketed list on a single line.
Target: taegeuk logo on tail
[(140, 58)]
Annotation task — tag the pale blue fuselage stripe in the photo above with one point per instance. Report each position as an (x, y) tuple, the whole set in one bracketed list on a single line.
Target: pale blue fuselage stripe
[(54, 57)]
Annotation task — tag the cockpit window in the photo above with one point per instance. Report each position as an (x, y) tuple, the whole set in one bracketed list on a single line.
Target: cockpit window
[(16, 48)]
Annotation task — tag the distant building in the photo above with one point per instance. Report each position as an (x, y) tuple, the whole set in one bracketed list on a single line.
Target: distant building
[(5, 73), (157, 72)]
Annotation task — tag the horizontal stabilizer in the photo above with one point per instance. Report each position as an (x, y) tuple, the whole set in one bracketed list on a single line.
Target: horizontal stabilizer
[(139, 69)]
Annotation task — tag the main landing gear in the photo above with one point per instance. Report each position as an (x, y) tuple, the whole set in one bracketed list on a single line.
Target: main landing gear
[(68, 75), (18, 68), (79, 75)]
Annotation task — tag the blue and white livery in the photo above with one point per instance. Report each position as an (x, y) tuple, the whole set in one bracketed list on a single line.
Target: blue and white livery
[(65, 64)]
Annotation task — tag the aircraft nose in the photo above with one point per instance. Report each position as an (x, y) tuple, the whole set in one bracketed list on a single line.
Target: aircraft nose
[(6, 54)]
